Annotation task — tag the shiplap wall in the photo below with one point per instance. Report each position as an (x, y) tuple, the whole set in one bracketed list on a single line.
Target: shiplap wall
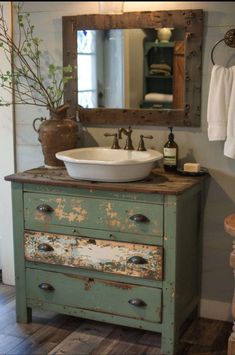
[(217, 280), (6, 168)]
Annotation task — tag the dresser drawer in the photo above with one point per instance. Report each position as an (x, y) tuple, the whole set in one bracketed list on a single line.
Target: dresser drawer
[(96, 213), (116, 298), (129, 259)]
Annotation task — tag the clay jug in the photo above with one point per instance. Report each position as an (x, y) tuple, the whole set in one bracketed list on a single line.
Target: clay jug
[(56, 134)]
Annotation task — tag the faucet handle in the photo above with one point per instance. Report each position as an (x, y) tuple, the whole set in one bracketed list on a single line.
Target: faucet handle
[(115, 144), (141, 146)]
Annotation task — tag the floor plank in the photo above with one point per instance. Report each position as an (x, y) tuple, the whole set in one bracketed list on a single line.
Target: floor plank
[(84, 339), (56, 334)]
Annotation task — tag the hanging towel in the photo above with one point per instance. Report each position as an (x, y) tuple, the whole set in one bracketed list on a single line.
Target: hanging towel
[(229, 146), (218, 102)]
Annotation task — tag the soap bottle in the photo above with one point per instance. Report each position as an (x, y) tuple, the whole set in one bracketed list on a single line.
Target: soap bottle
[(170, 153)]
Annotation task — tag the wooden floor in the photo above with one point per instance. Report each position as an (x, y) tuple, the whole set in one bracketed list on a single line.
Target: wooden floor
[(51, 333)]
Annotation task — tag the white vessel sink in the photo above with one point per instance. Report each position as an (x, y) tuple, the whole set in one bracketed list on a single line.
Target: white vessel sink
[(106, 164)]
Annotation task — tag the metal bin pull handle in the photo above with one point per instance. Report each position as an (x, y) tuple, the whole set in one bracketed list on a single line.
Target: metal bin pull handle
[(137, 302), (46, 287), (139, 218), (45, 247), (44, 208), (137, 260)]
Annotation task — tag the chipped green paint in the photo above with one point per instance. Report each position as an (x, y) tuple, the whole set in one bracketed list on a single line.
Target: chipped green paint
[(95, 295), (75, 213), (97, 213), (94, 254)]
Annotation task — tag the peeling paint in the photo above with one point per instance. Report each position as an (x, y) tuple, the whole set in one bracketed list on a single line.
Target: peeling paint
[(88, 284), (105, 214), (112, 216), (100, 255), (76, 213), (120, 285)]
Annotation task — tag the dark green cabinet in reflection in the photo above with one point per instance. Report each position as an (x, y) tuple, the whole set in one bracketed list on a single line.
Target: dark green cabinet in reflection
[(158, 75)]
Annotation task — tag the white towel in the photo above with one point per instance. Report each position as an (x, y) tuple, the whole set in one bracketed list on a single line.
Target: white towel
[(158, 97), (229, 146), (218, 102)]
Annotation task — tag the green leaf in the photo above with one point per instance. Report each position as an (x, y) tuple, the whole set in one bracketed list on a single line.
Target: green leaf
[(51, 67), (68, 69), (66, 79)]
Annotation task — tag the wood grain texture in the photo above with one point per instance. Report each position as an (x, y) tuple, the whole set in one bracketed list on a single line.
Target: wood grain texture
[(178, 75), (192, 23), (50, 333), (157, 182)]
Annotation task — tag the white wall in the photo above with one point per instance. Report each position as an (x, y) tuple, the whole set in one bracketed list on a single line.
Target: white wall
[(6, 168), (217, 279)]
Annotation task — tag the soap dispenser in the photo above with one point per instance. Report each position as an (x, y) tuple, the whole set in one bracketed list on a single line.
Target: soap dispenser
[(170, 153)]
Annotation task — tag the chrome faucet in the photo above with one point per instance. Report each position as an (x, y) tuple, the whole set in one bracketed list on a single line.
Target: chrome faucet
[(127, 132)]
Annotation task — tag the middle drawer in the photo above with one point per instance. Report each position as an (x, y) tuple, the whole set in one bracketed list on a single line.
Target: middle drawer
[(129, 259), (96, 213)]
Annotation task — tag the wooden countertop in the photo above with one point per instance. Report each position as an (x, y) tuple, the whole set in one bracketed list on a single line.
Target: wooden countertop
[(157, 182)]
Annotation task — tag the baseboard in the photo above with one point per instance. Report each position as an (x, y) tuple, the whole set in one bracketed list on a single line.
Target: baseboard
[(216, 310)]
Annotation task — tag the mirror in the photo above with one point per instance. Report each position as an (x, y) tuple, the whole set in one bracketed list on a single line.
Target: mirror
[(130, 68), (128, 74)]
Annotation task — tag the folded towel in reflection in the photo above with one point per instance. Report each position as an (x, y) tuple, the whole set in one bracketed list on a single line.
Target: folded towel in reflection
[(218, 102), (161, 66), (159, 72), (229, 146), (158, 97)]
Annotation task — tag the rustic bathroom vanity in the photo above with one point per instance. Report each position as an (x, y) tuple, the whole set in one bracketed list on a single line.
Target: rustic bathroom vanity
[(124, 253)]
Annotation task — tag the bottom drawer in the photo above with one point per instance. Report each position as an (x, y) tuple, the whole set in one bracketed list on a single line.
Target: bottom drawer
[(104, 296)]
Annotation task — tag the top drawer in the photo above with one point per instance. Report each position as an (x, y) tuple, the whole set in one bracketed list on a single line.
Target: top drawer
[(96, 213)]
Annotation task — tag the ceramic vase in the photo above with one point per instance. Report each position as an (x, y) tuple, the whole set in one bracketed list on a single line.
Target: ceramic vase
[(56, 134), (164, 34)]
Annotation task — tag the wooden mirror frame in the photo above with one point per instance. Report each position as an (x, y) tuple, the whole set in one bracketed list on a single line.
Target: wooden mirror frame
[(191, 21)]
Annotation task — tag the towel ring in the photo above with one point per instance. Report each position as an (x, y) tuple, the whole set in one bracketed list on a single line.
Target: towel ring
[(229, 39)]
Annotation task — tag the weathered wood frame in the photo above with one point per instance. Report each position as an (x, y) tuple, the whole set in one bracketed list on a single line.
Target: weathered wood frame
[(191, 21)]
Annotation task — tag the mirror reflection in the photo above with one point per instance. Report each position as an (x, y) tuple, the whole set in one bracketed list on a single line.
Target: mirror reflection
[(131, 68)]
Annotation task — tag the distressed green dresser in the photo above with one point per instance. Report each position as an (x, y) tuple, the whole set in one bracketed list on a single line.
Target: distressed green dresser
[(124, 253)]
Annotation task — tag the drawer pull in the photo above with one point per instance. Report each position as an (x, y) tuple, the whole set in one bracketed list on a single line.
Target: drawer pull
[(44, 208), (139, 218), (45, 247), (46, 287), (137, 260), (137, 302)]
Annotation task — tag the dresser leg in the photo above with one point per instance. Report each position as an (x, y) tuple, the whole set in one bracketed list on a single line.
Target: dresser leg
[(23, 314), (169, 343)]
